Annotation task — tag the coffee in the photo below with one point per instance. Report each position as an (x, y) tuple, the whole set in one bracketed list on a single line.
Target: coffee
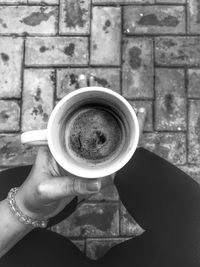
[(93, 133)]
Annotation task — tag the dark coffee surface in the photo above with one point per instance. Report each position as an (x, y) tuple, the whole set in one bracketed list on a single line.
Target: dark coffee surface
[(95, 134)]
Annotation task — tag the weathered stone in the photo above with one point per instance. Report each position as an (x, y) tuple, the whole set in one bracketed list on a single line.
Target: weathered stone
[(13, 153), (108, 193), (170, 146), (170, 104), (28, 19), (11, 55), (154, 19), (121, 2), (192, 170), (171, 1), (6, 2), (97, 248), (93, 220), (148, 126), (194, 83), (9, 116), (74, 17), (48, 2), (193, 16), (105, 36), (194, 131), (137, 68), (67, 79), (128, 225), (37, 98), (177, 50), (55, 51)]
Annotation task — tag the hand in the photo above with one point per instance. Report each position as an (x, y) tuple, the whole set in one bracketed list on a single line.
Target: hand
[(47, 189)]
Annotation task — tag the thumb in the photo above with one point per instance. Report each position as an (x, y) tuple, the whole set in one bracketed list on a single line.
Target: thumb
[(60, 187)]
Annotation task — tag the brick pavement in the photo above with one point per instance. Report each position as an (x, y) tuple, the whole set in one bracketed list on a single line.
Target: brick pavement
[(146, 50)]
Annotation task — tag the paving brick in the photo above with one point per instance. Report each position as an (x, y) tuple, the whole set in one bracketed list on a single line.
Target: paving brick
[(194, 131), (74, 17), (93, 220), (97, 248), (28, 19), (170, 104), (56, 51), (49, 2), (194, 16), (105, 36), (177, 50), (37, 98), (192, 170), (154, 19), (67, 79), (170, 146), (11, 55), (117, 2), (137, 68), (194, 83), (9, 116), (128, 225), (109, 193), (171, 1), (13, 153), (148, 126), (6, 2)]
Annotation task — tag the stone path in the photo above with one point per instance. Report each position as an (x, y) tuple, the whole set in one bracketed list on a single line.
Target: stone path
[(146, 50)]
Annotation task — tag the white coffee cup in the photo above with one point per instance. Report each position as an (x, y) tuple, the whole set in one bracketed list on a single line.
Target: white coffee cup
[(72, 101)]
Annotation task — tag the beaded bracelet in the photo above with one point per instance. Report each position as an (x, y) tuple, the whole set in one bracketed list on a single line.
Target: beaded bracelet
[(19, 214)]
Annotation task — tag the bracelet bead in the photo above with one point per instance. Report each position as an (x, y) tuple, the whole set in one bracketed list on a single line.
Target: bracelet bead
[(23, 218)]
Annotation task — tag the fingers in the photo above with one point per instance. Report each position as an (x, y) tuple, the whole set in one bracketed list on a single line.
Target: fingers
[(82, 80), (60, 187), (141, 115), (92, 81)]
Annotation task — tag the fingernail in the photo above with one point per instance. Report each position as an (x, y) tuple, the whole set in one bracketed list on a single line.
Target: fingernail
[(95, 186), (142, 110)]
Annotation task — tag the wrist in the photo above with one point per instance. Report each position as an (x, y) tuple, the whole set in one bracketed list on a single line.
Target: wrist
[(18, 212)]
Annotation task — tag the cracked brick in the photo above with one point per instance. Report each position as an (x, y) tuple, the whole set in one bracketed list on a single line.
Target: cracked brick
[(11, 56), (9, 116), (67, 79), (129, 227), (56, 51), (74, 17), (154, 19), (28, 20), (137, 68), (194, 83), (13, 153), (194, 131), (37, 98), (93, 220), (170, 146), (177, 51), (170, 104), (105, 36)]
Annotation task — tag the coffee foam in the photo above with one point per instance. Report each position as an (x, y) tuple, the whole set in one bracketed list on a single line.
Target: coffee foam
[(93, 134)]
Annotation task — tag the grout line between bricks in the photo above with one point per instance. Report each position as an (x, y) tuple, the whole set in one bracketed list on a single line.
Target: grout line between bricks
[(187, 115), (22, 84), (121, 52), (90, 34), (154, 87), (138, 4)]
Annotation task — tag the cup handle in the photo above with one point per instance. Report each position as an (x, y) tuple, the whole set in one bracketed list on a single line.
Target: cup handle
[(34, 138)]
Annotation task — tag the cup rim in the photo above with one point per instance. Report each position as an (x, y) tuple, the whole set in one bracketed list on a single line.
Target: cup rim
[(91, 173)]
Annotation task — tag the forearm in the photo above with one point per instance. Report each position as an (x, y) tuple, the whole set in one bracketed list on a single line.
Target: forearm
[(11, 230)]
